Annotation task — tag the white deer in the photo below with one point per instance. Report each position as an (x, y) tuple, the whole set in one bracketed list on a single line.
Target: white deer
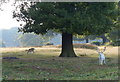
[(101, 56)]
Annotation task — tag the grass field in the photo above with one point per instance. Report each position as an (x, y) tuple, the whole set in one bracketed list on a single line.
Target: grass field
[(45, 64)]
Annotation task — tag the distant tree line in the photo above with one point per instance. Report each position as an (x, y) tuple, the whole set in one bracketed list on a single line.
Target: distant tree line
[(30, 39), (11, 38)]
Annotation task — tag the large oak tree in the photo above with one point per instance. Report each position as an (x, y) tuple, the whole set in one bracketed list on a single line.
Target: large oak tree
[(68, 18)]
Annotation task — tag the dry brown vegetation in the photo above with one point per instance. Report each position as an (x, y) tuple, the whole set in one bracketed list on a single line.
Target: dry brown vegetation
[(109, 51)]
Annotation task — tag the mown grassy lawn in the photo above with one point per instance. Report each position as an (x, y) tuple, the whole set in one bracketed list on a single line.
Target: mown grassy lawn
[(45, 64)]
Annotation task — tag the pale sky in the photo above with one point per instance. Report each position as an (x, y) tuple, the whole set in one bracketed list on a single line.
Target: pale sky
[(6, 20)]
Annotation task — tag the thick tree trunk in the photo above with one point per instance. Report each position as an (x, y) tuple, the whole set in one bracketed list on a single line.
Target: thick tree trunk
[(67, 46)]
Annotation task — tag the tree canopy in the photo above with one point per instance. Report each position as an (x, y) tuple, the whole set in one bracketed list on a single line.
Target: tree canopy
[(76, 18)]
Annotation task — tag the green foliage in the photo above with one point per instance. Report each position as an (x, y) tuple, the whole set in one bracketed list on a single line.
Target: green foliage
[(76, 18), (115, 43), (84, 37), (114, 37)]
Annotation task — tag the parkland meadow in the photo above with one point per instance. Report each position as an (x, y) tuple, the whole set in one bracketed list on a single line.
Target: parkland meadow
[(45, 64)]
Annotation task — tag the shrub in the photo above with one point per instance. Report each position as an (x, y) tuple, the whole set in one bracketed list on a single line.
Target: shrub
[(115, 43), (49, 43), (87, 46), (96, 43)]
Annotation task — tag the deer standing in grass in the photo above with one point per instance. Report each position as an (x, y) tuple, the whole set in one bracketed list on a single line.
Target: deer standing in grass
[(101, 56), (30, 50)]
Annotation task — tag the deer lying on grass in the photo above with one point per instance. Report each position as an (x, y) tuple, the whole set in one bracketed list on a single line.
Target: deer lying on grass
[(31, 50), (101, 56)]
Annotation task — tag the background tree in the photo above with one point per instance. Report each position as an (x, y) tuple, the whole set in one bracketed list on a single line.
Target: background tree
[(114, 34), (78, 37), (68, 19), (9, 36), (2, 44), (104, 38), (114, 37), (84, 37), (30, 39), (88, 38)]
